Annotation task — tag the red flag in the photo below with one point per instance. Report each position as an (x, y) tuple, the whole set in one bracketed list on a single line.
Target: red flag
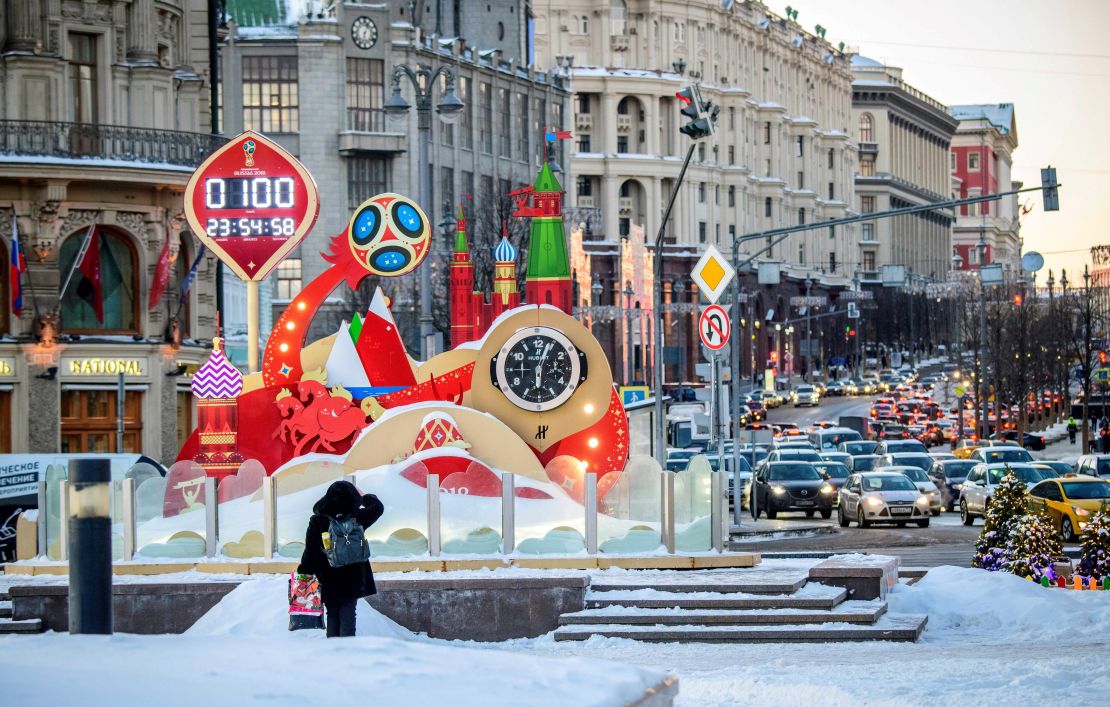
[(89, 288), (161, 274)]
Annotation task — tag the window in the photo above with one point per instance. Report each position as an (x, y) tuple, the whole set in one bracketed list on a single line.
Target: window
[(583, 103), (973, 256), (866, 128), (504, 106), (801, 180), (952, 161), (732, 195), (118, 284), (585, 25), (801, 217), (466, 122), (731, 118), (831, 191), (731, 154), (270, 96), (717, 194), (867, 232), (585, 186), (767, 206), (767, 167), (701, 192), (832, 158), (622, 144), (701, 152), (869, 260), (624, 226), (584, 143), (447, 188), (973, 161), (524, 130), (82, 77), (485, 117), (186, 416), (832, 262), (288, 278), (867, 204), (799, 146), (467, 184), (365, 94), (539, 123), (867, 166), (701, 232), (767, 133), (731, 233), (366, 177), (716, 233), (801, 254)]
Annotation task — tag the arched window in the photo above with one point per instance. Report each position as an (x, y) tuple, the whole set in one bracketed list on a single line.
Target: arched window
[(866, 128), (118, 284), (585, 25)]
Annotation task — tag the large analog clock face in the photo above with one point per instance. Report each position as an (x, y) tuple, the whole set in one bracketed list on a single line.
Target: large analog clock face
[(364, 32), (538, 368)]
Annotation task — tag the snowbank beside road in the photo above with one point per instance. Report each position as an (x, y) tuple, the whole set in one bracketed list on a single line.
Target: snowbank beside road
[(989, 605)]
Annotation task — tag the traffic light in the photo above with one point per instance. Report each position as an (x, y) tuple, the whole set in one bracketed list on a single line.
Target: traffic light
[(1102, 358), (851, 332), (702, 113), (1049, 193), (1017, 300)]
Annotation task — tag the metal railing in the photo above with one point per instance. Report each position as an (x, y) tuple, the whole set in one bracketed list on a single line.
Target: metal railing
[(38, 138)]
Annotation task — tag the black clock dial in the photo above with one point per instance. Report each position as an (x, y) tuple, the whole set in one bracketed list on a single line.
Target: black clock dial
[(538, 368)]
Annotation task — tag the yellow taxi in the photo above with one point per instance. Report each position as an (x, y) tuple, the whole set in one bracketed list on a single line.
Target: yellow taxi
[(1070, 501), (965, 447)]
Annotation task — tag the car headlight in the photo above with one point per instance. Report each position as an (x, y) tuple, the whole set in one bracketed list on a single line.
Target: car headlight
[(827, 488), (934, 493), (922, 501), (959, 487), (873, 501), (778, 490), (1081, 512)]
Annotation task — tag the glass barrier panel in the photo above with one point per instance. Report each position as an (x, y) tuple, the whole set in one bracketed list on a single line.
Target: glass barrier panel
[(296, 491), (549, 516), (55, 474), (402, 531), (469, 508), (173, 527), (693, 500), (629, 517)]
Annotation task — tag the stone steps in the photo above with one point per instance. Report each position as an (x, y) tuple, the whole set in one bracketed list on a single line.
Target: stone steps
[(730, 582), (851, 612), (25, 626), (5, 609), (811, 596), (888, 628)]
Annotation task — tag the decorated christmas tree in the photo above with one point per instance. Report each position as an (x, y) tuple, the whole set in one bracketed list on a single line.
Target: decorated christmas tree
[(992, 549), (1034, 546), (1095, 560)]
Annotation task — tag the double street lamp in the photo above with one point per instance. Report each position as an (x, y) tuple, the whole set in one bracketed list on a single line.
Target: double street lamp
[(449, 108)]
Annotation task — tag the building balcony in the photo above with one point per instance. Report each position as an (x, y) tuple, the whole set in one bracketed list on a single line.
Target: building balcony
[(583, 121), (366, 133), (95, 141), (619, 42), (586, 202), (869, 276), (869, 148), (624, 123)]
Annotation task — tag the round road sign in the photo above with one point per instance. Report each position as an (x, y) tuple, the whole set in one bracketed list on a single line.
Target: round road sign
[(714, 327)]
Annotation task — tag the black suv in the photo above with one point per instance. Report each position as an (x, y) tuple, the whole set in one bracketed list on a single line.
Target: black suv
[(791, 486)]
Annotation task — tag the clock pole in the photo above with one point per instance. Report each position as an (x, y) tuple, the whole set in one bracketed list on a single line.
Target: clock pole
[(252, 326)]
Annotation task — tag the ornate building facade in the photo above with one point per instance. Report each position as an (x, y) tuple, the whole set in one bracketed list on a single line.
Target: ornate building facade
[(782, 155), (105, 116)]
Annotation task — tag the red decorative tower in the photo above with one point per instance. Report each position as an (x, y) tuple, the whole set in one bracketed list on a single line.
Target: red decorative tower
[(217, 385), (463, 314)]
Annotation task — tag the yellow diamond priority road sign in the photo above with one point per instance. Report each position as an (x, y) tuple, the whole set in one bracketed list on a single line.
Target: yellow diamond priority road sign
[(713, 273)]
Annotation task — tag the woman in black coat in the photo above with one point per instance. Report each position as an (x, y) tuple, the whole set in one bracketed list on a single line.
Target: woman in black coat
[(340, 587)]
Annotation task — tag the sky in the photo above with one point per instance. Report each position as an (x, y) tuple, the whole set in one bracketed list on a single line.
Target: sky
[(1049, 59)]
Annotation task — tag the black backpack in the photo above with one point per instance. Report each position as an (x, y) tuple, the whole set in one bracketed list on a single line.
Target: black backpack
[(348, 542)]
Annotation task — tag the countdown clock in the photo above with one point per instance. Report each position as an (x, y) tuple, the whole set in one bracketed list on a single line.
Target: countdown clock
[(251, 203), (538, 368)]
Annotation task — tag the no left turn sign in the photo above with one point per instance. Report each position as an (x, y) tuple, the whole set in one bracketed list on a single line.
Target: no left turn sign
[(714, 327)]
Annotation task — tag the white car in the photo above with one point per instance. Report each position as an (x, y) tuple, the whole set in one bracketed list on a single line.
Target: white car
[(923, 483), (881, 497), (1000, 454), (805, 395), (981, 483)]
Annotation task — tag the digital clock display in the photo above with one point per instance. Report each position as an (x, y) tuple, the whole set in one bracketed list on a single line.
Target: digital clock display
[(249, 193), (221, 227)]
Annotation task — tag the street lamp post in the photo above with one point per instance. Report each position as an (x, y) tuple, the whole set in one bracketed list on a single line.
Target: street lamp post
[(630, 366), (809, 331), (450, 109), (679, 318), (982, 387), (595, 290)]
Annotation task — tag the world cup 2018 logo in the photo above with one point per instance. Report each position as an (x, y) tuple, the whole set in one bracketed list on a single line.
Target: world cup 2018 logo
[(248, 153)]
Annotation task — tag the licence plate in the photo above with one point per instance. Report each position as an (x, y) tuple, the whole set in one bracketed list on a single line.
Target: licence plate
[(805, 503), (900, 511)]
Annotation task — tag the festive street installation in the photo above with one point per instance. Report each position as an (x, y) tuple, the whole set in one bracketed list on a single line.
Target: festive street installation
[(525, 389)]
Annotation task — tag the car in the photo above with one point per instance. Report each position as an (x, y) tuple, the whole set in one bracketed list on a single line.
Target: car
[(836, 388), (1059, 467), (923, 483), (881, 497), (1045, 471), (791, 486), (678, 459), (840, 457), (963, 448), (921, 461), (1070, 502), (756, 410), (836, 473), (949, 475), (822, 425), (981, 483), (802, 454), (805, 395), (1093, 465), (1028, 439), (942, 455), (863, 462), (891, 446), (860, 446), (1000, 454)]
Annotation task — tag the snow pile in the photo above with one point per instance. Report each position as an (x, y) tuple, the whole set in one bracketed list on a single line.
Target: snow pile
[(260, 607), (997, 605)]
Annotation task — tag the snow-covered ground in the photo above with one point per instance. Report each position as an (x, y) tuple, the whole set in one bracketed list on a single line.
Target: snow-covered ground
[(241, 653), (991, 638)]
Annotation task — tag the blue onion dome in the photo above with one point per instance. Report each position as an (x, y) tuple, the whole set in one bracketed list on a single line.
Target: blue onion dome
[(505, 252)]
